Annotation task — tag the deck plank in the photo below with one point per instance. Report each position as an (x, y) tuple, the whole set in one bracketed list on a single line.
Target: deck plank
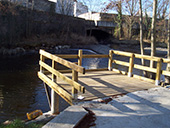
[(100, 84)]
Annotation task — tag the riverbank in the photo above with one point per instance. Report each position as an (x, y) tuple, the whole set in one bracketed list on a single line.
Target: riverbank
[(79, 42)]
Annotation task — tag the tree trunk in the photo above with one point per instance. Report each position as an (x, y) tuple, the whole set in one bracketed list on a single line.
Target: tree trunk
[(167, 79), (153, 35), (141, 35), (120, 19)]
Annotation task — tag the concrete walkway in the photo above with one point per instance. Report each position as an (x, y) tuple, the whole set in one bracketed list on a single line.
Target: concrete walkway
[(141, 109)]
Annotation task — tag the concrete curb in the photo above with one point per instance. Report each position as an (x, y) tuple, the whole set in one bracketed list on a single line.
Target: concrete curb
[(69, 118)]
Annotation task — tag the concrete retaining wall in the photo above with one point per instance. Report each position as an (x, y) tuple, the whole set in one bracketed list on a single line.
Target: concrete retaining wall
[(23, 24)]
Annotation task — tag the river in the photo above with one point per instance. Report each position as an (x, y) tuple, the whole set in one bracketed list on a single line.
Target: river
[(21, 91)]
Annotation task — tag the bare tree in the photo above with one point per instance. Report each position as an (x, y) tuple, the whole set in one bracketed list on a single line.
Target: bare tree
[(141, 31), (168, 50), (117, 6), (162, 9), (153, 35), (132, 10), (93, 5), (65, 7)]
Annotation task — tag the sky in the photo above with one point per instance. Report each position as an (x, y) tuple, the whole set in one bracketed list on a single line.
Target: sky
[(98, 6)]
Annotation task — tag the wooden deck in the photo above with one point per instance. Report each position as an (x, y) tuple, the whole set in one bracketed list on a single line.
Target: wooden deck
[(100, 84)]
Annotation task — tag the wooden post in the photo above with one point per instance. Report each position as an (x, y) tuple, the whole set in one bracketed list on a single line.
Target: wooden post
[(131, 65), (110, 60), (54, 95), (75, 78), (80, 57), (42, 58), (159, 71)]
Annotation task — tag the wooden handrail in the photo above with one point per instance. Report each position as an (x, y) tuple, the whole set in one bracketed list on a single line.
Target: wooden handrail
[(64, 94), (145, 68), (131, 64), (67, 56), (146, 57), (83, 56), (63, 77), (63, 62), (95, 56), (57, 90), (128, 54), (121, 62)]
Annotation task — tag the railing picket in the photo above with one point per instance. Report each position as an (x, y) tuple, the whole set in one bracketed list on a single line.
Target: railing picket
[(110, 60), (159, 71), (80, 57), (74, 78), (131, 65), (42, 58)]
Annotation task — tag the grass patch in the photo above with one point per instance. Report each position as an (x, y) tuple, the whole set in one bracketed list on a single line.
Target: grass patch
[(20, 124)]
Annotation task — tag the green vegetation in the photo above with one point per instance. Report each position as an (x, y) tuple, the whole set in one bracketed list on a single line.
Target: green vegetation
[(20, 124)]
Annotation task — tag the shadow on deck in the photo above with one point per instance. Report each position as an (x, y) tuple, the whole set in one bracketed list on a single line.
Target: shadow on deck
[(100, 84)]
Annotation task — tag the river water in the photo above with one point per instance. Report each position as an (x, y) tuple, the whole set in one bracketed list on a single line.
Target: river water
[(21, 91)]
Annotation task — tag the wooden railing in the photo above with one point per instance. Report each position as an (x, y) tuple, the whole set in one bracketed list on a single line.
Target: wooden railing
[(75, 67), (52, 80), (131, 65), (80, 57)]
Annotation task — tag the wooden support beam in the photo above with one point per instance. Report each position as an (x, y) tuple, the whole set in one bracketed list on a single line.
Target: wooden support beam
[(42, 58), (63, 77), (47, 94), (99, 69), (131, 65), (67, 56), (144, 68), (146, 57), (80, 57), (118, 71), (159, 71), (59, 90), (144, 78), (121, 63), (128, 54), (166, 60), (95, 56), (83, 56), (110, 60), (166, 73), (74, 78)]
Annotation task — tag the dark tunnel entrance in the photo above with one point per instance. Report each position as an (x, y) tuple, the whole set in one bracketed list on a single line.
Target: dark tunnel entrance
[(100, 35)]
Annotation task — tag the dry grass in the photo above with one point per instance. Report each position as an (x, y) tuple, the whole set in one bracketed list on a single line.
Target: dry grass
[(50, 41)]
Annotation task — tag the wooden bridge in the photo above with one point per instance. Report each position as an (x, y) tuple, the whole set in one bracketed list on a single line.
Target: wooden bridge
[(88, 84)]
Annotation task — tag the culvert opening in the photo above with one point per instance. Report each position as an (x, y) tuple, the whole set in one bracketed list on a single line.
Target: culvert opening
[(100, 35)]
